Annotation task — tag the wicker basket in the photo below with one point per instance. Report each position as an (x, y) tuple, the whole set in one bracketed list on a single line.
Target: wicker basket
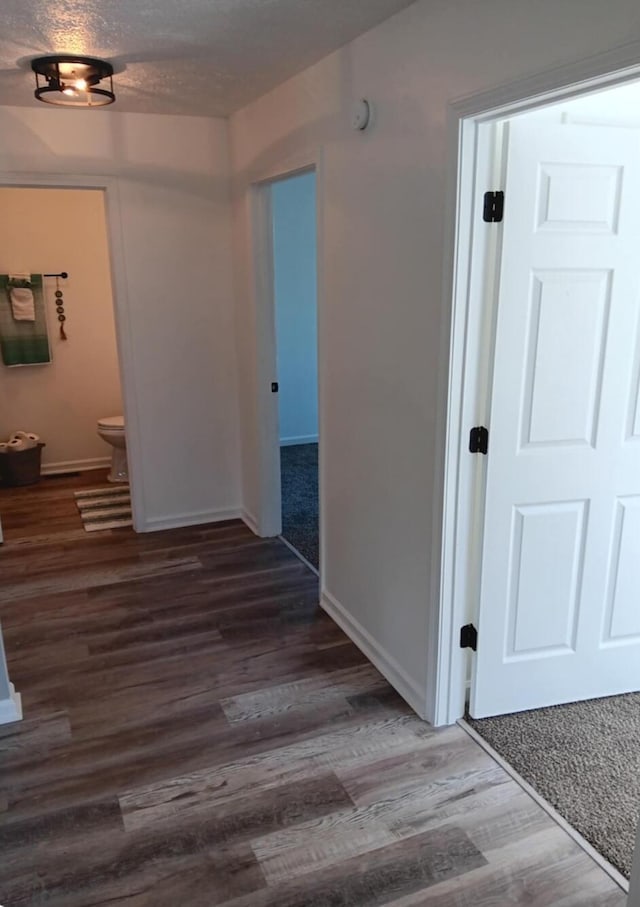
[(21, 467)]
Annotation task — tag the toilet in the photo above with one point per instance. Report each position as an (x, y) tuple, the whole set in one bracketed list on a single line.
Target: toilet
[(111, 430)]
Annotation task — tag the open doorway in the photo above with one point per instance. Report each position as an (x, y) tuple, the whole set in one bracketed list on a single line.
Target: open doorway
[(293, 212), (554, 376), (288, 313), (61, 409)]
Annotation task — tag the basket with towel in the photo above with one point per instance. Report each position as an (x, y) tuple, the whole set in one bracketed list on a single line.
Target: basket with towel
[(20, 458)]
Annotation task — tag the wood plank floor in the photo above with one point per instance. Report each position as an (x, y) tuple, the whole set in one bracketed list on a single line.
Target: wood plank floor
[(197, 732)]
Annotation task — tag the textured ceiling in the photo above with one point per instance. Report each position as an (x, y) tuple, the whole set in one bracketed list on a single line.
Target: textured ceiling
[(206, 57)]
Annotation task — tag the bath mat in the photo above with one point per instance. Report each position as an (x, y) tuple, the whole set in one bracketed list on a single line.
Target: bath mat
[(108, 507)]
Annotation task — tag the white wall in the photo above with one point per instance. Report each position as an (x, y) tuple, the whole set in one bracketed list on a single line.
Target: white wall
[(293, 206), (171, 176), (48, 230), (384, 326)]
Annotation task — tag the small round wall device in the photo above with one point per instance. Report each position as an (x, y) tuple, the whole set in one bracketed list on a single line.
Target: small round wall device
[(361, 116)]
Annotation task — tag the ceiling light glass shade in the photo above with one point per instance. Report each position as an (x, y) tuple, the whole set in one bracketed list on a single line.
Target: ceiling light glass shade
[(70, 81)]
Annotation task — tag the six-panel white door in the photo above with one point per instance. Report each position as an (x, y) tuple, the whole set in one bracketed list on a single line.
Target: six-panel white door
[(559, 616)]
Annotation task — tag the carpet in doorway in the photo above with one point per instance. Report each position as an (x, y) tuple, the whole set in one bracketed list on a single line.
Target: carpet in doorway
[(299, 478), (584, 759), (104, 508)]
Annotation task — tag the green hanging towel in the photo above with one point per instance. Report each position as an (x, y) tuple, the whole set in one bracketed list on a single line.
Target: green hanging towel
[(23, 340)]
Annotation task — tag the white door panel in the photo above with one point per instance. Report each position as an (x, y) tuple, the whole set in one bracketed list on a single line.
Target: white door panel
[(559, 616), (622, 615)]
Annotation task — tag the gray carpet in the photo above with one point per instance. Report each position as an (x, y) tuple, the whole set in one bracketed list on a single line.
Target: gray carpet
[(584, 759), (299, 476)]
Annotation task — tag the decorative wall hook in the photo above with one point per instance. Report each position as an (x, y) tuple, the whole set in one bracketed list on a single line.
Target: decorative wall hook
[(60, 303)]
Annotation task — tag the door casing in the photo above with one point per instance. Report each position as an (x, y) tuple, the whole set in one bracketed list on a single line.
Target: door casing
[(126, 356), (465, 373), (475, 165), (268, 519)]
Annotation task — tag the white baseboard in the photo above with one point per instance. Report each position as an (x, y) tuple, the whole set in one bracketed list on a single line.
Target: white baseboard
[(11, 708), (301, 439), (195, 518), (250, 520), (377, 655), (52, 469)]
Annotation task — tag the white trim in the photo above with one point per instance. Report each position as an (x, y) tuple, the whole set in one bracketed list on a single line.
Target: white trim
[(269, 505), (454, 565), (11, 708), (588, 848), (63, 466), (444, 659), (121, 309), (471, 343), (249, 519), (301, 439), (194, 518), (570, 80), (323, 344), (411, 692), (269, 516), (296, 163)]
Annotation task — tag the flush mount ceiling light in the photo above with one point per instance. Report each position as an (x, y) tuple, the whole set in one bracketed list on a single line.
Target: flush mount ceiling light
[(71, 81)]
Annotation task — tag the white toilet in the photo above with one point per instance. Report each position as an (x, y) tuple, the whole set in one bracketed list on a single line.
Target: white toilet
[(111, 430)]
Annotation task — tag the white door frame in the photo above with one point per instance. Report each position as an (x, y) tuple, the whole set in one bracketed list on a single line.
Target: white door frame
[(466, 383), (109, 186), (269, 517)]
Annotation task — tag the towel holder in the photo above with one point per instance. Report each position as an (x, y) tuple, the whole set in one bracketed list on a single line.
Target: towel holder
[(62, 274)]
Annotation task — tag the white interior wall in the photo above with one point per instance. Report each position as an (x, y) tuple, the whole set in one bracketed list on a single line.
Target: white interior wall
[(171, 178), (385, 325), (44, 231)]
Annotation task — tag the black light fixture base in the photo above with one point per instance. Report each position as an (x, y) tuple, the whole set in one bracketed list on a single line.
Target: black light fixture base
[(72, 81)]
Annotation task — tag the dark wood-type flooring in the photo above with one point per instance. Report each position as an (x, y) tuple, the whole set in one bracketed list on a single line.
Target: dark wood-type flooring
[(197, 732)]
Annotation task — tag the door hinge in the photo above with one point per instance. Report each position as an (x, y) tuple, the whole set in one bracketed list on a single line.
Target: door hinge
[(493, 210), (468, 637), (479, 440)]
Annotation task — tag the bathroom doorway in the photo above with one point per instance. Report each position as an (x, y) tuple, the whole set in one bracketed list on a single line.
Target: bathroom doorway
[(57, 387)]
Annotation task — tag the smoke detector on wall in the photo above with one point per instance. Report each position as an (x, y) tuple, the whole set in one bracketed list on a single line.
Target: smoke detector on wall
[(361, 116)]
